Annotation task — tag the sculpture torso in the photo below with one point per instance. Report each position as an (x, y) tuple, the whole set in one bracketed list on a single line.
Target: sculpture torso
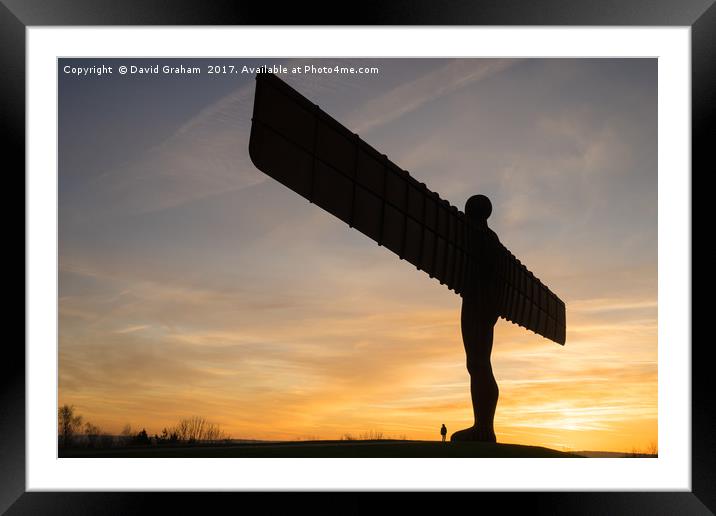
[(482, 282)]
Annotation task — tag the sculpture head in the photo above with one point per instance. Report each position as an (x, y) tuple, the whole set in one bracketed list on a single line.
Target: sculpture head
[(478, 208)]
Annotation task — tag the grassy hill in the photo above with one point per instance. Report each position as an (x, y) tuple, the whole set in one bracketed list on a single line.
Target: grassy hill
[(342, 449)]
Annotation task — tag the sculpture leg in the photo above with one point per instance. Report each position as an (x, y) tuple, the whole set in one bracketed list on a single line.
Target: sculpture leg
[(478, 325)]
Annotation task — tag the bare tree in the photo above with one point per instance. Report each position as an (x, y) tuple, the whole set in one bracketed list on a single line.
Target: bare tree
[(197, 426), (214, 433), (634, 452), (182, 430), (127, 434), (196, 429), (93, 434), (371, 435), (69, 424)]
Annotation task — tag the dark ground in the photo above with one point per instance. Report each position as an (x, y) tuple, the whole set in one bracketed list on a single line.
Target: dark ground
[(343, 449)]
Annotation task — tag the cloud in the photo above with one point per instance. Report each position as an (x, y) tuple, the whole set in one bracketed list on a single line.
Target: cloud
[(413, 94), (132, 329), (208, 155), (611, 305), (331, 365)]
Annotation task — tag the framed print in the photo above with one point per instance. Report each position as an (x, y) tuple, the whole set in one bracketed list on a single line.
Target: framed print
[(207, 306)]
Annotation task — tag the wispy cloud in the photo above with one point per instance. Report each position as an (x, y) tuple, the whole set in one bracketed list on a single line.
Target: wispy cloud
[(132, 329), (205, 157), (610, 305), (412, 95)]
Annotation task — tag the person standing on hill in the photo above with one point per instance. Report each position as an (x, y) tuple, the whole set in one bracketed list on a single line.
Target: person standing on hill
[(443, 431)]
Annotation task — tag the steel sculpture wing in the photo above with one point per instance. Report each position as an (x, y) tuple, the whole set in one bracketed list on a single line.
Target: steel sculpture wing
[(299, 145)]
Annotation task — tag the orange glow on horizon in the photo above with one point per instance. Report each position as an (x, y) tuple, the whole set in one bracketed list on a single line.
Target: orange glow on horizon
[(403, 382)]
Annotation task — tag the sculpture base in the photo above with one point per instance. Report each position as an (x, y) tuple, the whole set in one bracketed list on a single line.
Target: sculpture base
[(474, 434)]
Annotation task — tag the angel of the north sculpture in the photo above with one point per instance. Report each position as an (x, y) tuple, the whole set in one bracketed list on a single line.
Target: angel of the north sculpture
[(295, 142)]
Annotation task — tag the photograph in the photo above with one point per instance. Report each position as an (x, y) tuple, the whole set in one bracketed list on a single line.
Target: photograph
[(408, 247), (357, 257)]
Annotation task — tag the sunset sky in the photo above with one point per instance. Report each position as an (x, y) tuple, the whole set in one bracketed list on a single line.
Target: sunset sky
[(193, 284)]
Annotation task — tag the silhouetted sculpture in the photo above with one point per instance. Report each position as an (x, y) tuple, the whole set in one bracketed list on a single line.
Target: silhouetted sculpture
[(477, 320), (299, 145), (443, 431)]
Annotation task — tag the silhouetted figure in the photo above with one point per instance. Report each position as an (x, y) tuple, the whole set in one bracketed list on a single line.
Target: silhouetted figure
[(443, 431), (478, 317)]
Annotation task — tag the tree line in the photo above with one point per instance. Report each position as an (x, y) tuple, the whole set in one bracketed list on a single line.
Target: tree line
[(74, 431)]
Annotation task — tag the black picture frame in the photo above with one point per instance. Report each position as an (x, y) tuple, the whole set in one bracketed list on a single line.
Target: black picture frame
[(17, 15)]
